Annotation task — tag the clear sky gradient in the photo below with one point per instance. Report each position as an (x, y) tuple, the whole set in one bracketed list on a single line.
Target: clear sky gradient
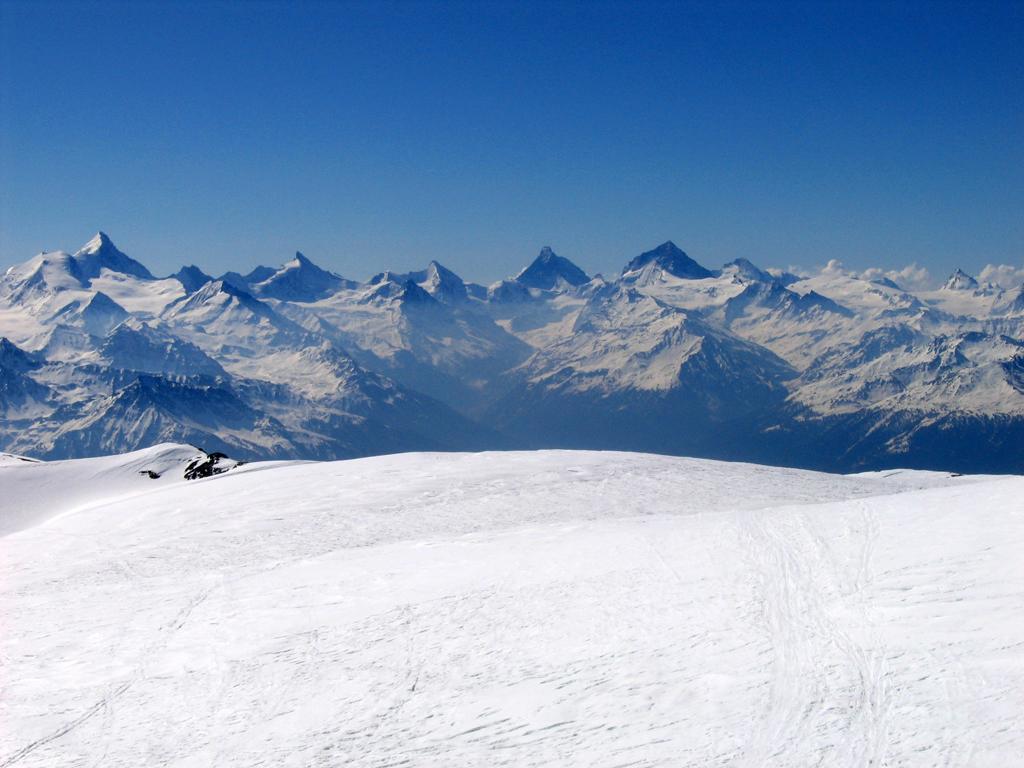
[(377, 135)]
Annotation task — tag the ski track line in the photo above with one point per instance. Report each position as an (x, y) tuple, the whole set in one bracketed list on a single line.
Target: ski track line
[(167, 631), (799, 577)]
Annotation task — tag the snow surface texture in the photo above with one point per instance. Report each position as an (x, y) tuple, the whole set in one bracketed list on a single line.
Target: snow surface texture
[(836, 371), (527, 609), (45, 489)]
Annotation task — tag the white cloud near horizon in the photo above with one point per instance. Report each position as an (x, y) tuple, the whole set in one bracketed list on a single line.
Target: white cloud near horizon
[(912, 277), (1004, 275)]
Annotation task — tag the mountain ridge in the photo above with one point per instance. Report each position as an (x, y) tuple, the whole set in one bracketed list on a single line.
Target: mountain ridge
[(670, 356)]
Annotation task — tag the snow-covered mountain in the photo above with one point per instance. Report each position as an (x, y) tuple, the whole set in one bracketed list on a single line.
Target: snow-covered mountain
[(420, 330), (635, 372), (960, 281), (21, 396), (192, 278), (549, 271), (667, 260), (835, 370), (441, 283), (298, 280), (100, 254), (566, 608), (194, 359)]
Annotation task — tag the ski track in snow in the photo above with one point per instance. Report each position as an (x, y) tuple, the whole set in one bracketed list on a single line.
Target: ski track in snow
[(555, 608)]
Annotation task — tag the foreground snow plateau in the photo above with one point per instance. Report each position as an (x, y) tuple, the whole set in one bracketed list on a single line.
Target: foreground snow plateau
[(531, 608)]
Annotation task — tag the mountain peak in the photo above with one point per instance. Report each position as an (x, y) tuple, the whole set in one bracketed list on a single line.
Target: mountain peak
[(101, 314), (441, 283), (670, 258), (214, 288), (99, 241), (192, 278), (668, 249), (13, 357), (299, 280), (436, 269), (217, 297), (101, 253), (960, 281), (746, 270), (549, 269)]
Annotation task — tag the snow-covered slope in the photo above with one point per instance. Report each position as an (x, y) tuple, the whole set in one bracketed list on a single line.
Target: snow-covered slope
[(35, 491), (527, 609)]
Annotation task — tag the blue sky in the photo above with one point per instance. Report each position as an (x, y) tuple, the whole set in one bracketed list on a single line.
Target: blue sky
[(374, 135)]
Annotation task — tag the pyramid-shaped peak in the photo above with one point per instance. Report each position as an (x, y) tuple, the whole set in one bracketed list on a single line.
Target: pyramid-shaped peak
[(100, 300), (98, 242), (101, 314), (101, 253), (441, 283), (960, 281), (302, 263), (670, 258), (192, 278), (549, 270), (298, 262), (299, 280), (668, 249), (442, 272), (215, 288)]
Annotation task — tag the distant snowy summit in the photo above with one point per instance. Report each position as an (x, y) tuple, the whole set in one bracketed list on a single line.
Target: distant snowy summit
[(832, 371), (549, 271), (667, 260), (960, 281)]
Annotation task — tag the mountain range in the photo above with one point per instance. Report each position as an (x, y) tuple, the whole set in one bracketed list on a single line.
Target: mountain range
[(834, 371)]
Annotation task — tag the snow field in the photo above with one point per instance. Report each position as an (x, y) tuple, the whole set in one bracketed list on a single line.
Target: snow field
[(536, 608)]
